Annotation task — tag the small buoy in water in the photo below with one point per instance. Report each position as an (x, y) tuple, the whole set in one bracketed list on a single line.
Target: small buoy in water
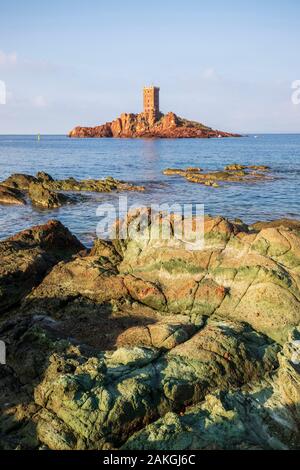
[(255, 137)]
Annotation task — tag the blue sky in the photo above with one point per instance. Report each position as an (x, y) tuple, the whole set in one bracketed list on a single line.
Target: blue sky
[(229, 64)]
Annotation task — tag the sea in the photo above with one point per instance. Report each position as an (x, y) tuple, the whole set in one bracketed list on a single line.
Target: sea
[(142, 161)]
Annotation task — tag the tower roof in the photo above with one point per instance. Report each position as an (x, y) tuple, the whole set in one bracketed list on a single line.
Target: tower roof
[(151, 87)]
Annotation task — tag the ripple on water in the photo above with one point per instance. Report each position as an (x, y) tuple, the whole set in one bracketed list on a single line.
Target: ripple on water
[(142, 161)]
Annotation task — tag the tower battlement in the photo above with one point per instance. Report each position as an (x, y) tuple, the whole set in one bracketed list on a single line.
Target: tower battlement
[(151, 100)]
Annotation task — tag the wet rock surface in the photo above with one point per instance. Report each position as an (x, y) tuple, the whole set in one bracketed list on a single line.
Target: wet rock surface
[(144, 344), (11, 196), (43, 197), (43, 190), (231, 173), (19, 181)]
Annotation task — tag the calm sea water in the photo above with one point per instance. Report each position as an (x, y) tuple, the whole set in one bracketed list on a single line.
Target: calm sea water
[(142, 162)]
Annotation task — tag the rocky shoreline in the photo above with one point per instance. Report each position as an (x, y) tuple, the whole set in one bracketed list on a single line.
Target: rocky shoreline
[(169, 125), (44, 192), (142, 344)]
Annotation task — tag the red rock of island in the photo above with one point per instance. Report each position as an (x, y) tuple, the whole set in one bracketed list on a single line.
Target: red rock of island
[(149, 126), (150, 123)]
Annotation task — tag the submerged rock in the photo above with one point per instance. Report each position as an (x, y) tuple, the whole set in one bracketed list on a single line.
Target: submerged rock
[(179, 171), (231, 173), (238, 167)]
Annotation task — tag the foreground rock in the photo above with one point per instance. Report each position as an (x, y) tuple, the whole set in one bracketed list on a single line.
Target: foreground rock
[(140, 125), (231, 173), (242, 274), (144, 344), (26, 257), (83, 399), (263, 415)]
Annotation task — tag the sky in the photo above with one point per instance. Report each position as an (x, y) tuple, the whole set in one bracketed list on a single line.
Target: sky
[(229, 64)]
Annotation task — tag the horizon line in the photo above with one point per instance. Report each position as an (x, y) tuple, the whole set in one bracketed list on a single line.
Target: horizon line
[(66, 134)]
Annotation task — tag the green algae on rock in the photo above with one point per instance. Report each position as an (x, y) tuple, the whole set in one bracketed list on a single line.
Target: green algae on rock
[(142, 344), (19, 181), (42, 197), (100, 399), (43, 190), (262, 415)]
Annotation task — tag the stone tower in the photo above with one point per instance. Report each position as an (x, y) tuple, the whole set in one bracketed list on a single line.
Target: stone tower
[(151, 102)]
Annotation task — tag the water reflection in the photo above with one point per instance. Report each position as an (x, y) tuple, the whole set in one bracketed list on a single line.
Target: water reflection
[(143, 161)]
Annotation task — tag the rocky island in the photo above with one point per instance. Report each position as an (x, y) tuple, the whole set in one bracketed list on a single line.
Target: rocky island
[(151, 123), (139, 344)]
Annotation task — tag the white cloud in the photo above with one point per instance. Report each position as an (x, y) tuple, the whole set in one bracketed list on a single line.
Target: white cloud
[(26, 65), (39, 102), (210, 74), (2, 92), (8, 59)]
